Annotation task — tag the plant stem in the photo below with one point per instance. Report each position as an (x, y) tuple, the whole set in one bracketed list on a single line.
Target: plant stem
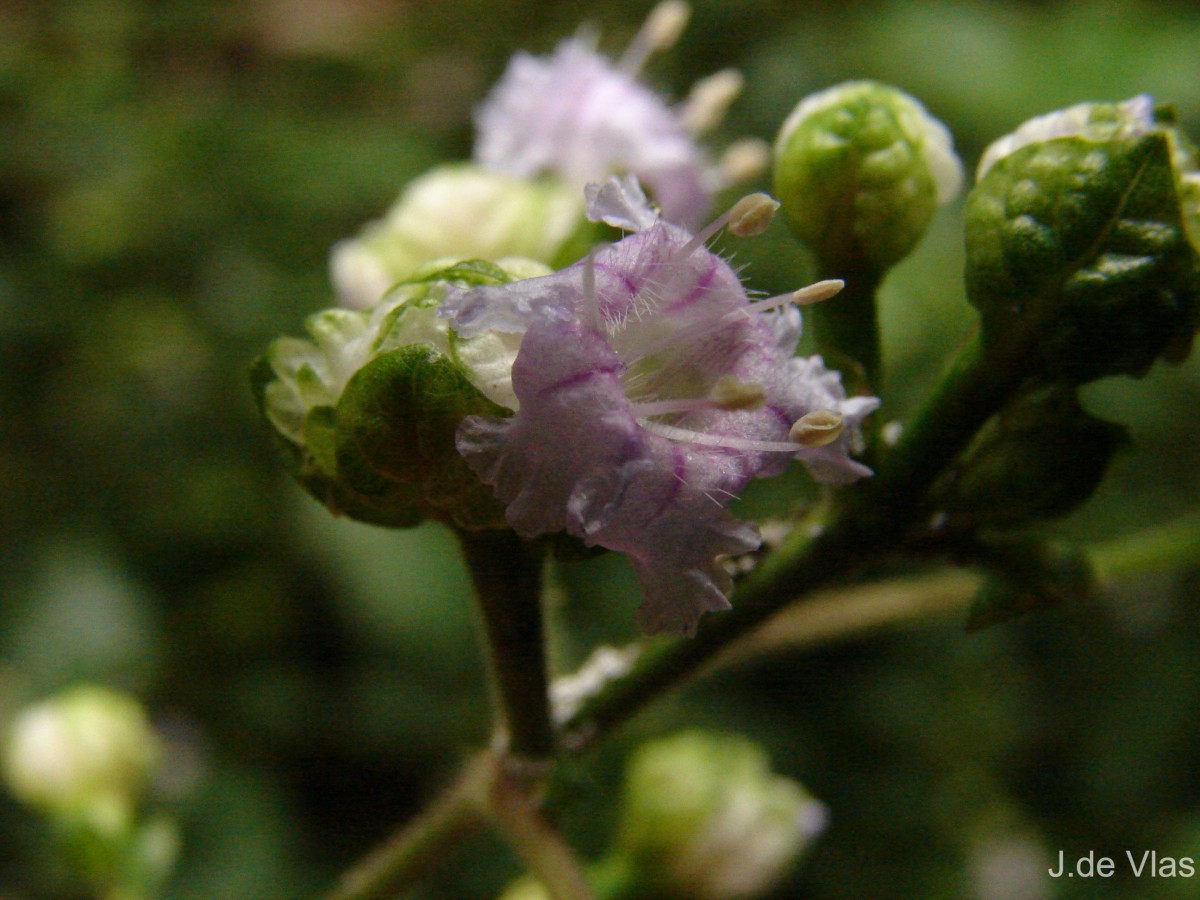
[(507, 576), (548, 857), (846, 327), (842, 612), (414, 849)]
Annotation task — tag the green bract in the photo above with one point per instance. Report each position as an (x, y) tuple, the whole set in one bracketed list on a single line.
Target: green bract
[(1078, 257), (367, 409), (860, 169), (1043, 456)]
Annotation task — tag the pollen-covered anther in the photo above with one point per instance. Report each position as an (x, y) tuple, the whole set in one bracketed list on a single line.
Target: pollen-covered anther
[(745, 159), (731, 393), (817, 428), (815, 293), (709, 101), (728, 393), (751, 215), (660, 31)]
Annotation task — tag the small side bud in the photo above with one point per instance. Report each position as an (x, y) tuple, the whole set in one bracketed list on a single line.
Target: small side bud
[(1042, 457), (860, 169), (86, 760)]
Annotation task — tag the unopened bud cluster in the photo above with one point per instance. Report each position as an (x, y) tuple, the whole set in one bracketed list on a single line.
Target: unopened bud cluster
[(1079, 242), (860, 169), (367, 407), (703, 818), (86, 759)]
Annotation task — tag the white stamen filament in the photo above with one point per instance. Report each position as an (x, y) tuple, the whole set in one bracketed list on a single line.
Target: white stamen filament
[(668, 407), (687, 436), (728, 393), (748, 217), (660, 31), (806, 296), (709, 101), (591, 304)]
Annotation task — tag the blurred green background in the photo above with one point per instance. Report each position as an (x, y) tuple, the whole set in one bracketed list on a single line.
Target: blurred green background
[(172, 175)]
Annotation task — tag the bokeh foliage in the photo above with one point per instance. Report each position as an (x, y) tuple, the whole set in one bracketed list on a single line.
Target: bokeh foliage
[(172, 175)]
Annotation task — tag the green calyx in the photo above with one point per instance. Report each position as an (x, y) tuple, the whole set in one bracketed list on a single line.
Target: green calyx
[(1041, 457), (1079, 258), (367, 410)]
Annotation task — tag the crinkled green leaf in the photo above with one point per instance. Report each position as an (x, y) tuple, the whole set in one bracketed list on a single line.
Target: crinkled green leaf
[(1077, 253)]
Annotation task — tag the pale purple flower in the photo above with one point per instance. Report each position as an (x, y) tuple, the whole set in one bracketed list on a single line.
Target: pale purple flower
[(650, 391), (578, 116)]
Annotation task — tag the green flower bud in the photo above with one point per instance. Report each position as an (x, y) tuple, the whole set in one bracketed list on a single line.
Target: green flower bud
[(457, 212), (367, 409), (705, 818), (85, 755), (860, 169), (1078, 251), (1041, 457)]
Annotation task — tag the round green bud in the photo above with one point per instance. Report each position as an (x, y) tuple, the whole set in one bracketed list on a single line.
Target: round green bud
[(367, 408), (1079, 254), (860, 169), (704, 817), (87, 755), (461, 211)]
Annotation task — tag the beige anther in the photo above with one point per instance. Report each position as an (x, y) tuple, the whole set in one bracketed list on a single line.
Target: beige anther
[(751, 215), (709, 101), (815, 293), (817, 428), (745, 159), (730, 393)]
